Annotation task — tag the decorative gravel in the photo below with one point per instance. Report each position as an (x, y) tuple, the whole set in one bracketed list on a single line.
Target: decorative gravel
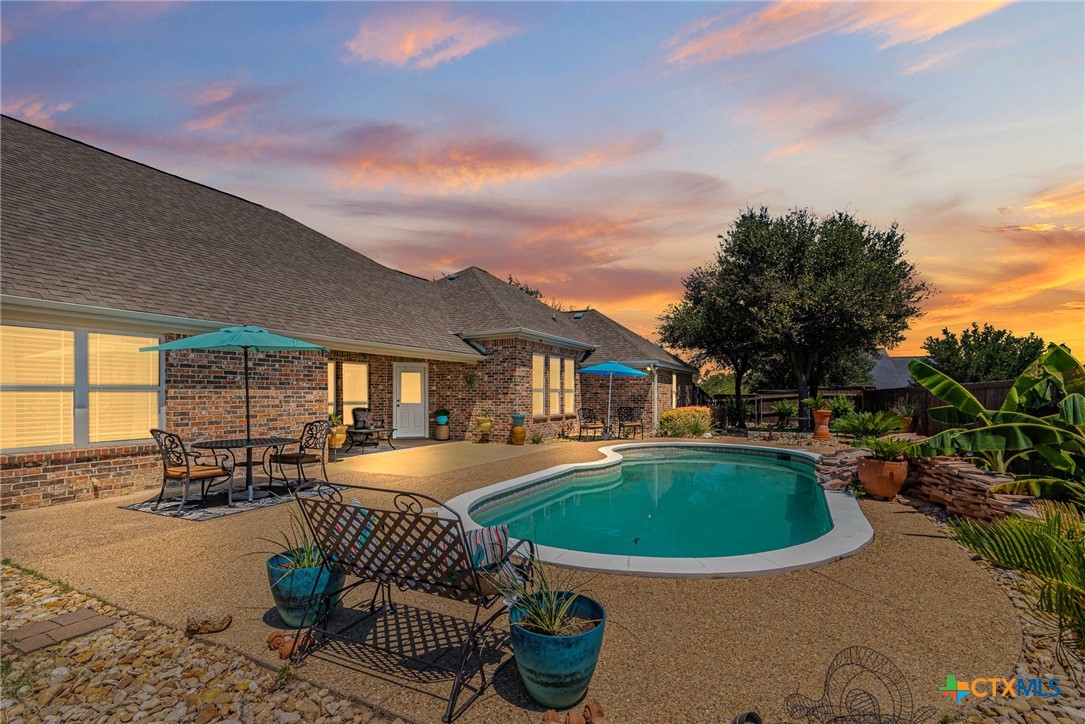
[(143, 671)]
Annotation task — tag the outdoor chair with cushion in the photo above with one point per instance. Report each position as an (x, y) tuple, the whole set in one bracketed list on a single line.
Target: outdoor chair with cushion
[(589, 424), (412, 542), (368, 430), (184, 467), (629, 421), (311, 446)]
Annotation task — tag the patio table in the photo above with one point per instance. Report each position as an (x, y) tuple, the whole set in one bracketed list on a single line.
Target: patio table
[(248, 445)]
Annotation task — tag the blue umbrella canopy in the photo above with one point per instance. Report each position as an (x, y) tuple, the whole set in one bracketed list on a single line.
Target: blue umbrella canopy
[(616, 369), (611, 370), (243, 339)]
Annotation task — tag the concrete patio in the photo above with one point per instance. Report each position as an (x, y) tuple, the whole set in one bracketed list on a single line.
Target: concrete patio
[(674, 650)]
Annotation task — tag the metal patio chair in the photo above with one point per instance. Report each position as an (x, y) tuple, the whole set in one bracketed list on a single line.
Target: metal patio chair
[(630, 420), (311, 447), (184, 467), (589, 424)]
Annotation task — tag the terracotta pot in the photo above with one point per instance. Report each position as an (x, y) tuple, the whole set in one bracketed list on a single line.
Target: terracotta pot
[(909, 424), (337, 435), (881, 478), (821, 424)]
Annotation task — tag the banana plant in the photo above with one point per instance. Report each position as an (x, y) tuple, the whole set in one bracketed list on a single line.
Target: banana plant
[(1054, 383)]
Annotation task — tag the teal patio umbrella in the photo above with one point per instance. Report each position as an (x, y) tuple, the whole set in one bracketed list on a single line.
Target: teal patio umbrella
[(611, 370), (242, 339)]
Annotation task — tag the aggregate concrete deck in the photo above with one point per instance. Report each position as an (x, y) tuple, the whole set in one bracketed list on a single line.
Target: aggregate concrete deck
[(674, 650)]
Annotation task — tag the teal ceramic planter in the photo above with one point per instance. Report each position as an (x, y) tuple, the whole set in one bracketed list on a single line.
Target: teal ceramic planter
[(442, 419), (556, 670), (292, 589), (518, 419)]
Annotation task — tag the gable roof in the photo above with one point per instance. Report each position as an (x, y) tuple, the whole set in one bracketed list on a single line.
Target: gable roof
[(479, 306), (620, 344), (87, 227)]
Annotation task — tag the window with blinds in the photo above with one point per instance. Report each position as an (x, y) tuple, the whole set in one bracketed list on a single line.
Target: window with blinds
[(538, 384), (50, 377), (331, 388), (568, 386), (554, 387), (355, 388)]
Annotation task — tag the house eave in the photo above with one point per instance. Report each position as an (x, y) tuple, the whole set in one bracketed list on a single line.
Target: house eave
[(44, 311), (533, 335)]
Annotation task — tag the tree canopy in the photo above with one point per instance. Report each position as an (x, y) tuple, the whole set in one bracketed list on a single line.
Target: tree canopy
[(818, 293), (982, 355)]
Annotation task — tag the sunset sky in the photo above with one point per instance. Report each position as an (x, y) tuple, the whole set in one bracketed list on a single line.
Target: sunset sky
[(596, 150)]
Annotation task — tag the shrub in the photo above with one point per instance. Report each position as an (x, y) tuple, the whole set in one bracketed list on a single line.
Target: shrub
[(729, 410), (784, 411), (841, 405), (867, 424), (904, 407), (677, 422), (884, 448)]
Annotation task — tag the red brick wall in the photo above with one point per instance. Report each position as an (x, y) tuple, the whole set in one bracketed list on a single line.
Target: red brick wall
[(635, 392), (205, 398), (501, 385)]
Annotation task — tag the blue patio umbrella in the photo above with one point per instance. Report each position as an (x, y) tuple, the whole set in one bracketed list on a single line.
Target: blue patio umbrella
[(242, 339), (611, 370)]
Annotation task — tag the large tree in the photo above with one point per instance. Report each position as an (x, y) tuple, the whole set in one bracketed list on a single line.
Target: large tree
[(982, 355), (820, 290), (712, 323)]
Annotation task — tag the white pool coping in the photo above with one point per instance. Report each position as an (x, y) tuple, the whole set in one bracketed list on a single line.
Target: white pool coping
[(851, 532)]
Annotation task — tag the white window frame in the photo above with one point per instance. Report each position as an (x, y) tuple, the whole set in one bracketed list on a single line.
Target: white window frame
[(81, 388), (674, 390), (368, 403), (542, 390), (333, 387)]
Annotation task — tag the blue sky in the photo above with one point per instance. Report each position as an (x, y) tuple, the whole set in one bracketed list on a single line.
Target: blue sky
[(596, 150)]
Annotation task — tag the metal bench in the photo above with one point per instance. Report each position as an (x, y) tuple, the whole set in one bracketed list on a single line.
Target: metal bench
[(413, 543)]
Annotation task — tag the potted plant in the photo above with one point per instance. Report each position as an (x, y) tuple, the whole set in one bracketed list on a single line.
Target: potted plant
[(784, 411), (907, 411), (485, 422), (337, 435), (299, 580), (519, 434), (557, 633), (883, 475), (819, 408), (441, 416), (840, 405)]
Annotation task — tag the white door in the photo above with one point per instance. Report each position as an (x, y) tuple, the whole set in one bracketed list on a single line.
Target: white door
[(409, 393)]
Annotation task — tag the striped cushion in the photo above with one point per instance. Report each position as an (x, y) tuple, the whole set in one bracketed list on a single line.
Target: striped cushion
[(487, 546)]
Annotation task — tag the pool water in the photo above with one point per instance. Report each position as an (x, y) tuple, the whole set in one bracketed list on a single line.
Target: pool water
[(673, 504)]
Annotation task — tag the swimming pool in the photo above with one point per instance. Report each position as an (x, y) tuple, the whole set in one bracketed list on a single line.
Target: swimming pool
[(677, 509)]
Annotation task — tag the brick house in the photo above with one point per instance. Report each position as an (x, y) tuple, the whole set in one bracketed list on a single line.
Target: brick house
[(103, 255)]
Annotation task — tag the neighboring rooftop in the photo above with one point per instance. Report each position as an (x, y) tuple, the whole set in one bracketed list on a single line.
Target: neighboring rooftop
[(616, 343), (890, 373)]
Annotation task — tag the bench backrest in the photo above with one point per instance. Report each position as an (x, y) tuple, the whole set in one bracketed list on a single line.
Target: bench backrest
[(416, 543)]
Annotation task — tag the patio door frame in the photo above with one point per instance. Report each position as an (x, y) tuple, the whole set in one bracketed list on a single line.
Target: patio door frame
[(422, 367)]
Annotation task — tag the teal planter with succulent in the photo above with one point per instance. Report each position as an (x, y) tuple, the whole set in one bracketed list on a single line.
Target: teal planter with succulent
[(300, 582), (440, 415)]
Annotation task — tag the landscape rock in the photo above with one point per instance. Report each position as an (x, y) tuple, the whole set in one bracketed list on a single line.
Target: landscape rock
[(208, 620)]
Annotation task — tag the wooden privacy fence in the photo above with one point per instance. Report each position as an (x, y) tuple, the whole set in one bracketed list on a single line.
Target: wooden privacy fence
[(990, 395)]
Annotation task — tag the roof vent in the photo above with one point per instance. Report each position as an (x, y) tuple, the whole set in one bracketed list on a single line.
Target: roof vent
[(578, 315), (452, 277)]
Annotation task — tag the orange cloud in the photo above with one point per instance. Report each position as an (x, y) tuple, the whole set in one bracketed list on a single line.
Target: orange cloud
[(35, 110), (787, 23), (1068, 200), (424, 37), (392, 155)]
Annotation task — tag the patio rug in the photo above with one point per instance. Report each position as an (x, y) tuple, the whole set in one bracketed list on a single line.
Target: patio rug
[(216, 504)]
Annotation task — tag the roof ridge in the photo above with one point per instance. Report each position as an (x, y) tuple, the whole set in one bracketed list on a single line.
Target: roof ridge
[(493, 297)]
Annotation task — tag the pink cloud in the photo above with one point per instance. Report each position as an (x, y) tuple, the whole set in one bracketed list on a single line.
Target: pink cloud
[(786, 23), (36, 110), (424, 37)]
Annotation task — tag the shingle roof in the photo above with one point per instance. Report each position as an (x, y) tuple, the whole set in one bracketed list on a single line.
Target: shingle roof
[(477, 301), (617, 343), (85, 226), (891, 373)]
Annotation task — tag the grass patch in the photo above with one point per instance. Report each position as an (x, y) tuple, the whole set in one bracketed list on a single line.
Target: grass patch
[(283, 675), (14, 677), (62, 586)]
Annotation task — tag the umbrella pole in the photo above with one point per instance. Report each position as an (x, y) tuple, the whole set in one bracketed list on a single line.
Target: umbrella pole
[(248, 418), (610, 388)]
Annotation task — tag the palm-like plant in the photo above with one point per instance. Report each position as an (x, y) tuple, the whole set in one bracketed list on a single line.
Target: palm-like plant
[(1054, 384), (1049, 551), (868, 424)]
